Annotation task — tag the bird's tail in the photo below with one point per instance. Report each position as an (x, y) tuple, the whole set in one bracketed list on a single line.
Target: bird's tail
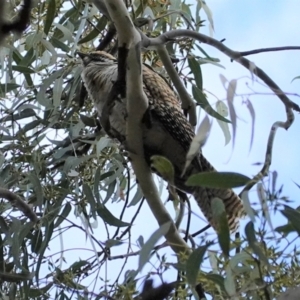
[(204, 196), (232, 202)]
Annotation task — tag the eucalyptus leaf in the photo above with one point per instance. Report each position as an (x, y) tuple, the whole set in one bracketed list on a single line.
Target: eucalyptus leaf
[(218, 180), (109, 218), (193, 264), (149, 245)]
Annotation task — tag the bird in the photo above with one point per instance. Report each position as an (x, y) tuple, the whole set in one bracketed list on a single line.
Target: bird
[(169, 133)]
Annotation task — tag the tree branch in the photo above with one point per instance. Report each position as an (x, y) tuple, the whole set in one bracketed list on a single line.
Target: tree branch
[(188, 104), (234, 55), (271, 49), (17, 202), (137, 104)]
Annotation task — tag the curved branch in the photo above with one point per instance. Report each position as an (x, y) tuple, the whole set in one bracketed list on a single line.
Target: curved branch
[(268, 158), (271, 49), (17, 202), (234, 55), (137, 104)]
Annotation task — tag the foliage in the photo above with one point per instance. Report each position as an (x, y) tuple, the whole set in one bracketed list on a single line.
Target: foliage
[(73, 176)]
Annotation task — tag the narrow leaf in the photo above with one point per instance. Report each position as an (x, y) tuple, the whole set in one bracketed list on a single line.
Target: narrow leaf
[(109, 218), (293, 216), (250, 234), (218, 180), (247, 206), (223, 80), (217, 279), (201, 99), (230, 96), (22, 69), (193, 264), (95, 32), (64, 214), (252, 114), (220, 218), (50, 15), (196, 70), (229, 282), (197, 142), (263, 201), (149, 245), (164, 167), (223, 111), (297, 77), (7, 87)]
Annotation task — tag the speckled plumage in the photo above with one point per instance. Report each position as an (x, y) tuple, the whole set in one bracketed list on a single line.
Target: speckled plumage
[(170, 133)]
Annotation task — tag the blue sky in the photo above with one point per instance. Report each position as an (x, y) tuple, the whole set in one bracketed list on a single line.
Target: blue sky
[(246, 25), (250, 25)]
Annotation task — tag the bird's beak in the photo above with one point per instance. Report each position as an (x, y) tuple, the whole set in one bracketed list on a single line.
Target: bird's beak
[(81, 54)]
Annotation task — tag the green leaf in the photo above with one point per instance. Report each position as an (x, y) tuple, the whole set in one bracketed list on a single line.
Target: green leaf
[(220, 217), (201, 99), (58, 44), (112, 243), (229, 283), (217, 180), (88, 121), (109, 218), (90, 197), (297, 77), (22, 69), (35, 293), (50, 15), (36, 241), (77, 265), (95, 32), (149, 245), (193, 264), (293, 216), (230, 97), (37, 187), (223, 111), (164, 167), (252, 114), (7, 87), (247, 206), (196, 70), (48, 234), (250, 234), (217, 279), (64, 214), (137, 197)]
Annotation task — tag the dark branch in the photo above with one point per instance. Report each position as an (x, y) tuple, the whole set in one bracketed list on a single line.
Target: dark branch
[(21, 22), (271, 49), (17, 202), (234, 55), (108, 37)]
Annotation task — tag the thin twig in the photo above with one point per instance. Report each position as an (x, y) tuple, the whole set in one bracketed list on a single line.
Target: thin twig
[(271, 49), (234, 55), (188, 105)]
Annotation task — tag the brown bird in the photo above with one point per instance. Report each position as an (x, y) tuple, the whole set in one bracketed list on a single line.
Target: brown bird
[(169, 134)]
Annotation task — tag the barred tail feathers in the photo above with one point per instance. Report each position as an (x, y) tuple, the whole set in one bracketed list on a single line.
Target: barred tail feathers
[(233, 204)]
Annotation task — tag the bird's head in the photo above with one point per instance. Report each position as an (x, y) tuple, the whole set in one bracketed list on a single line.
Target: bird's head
[(100, 58)]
